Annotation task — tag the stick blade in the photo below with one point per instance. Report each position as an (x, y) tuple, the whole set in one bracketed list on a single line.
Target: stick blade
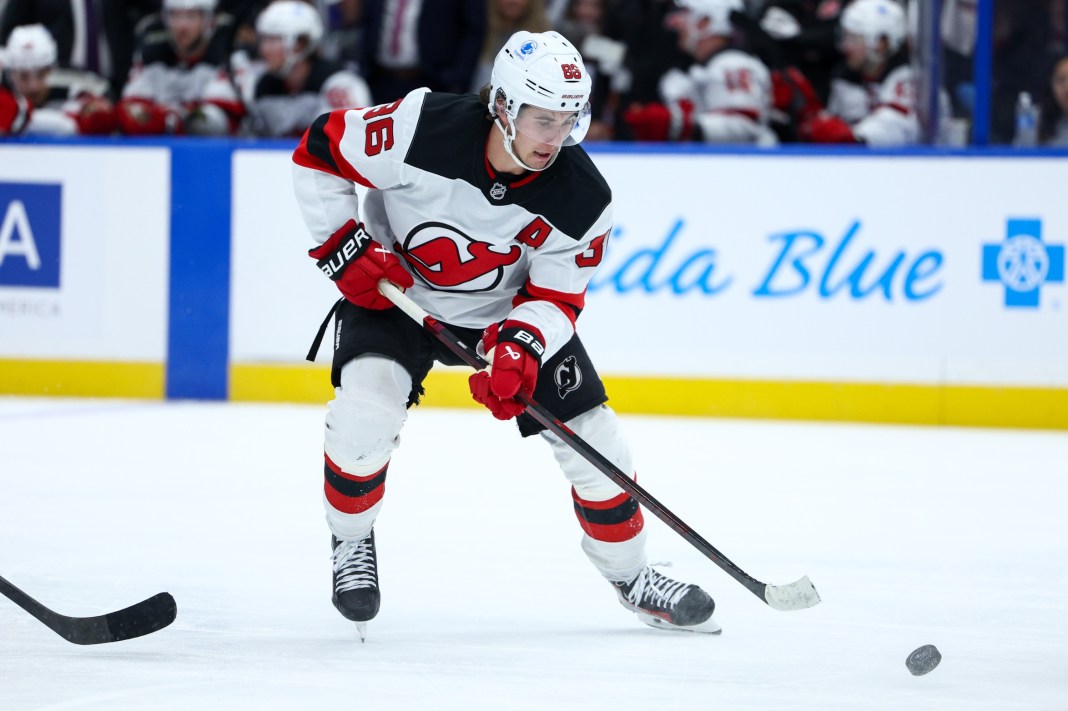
[(145, 617), (798, 595)]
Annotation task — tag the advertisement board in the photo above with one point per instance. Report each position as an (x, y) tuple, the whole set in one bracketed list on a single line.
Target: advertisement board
[(903, 287), (854, 269), (84, 243), (923, 270)]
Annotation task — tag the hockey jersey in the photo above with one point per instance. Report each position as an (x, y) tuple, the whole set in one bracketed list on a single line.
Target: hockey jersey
[(185, 86), (274, 111), (481, 245), (882, 112), (731, 95), (63, 112), (14, 109)]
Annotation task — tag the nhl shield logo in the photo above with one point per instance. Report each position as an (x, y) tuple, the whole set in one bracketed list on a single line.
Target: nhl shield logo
[(498, 190), (568, 377)]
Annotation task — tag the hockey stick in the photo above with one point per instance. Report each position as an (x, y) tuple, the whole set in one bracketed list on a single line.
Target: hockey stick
[(794, 596), (145, 617)]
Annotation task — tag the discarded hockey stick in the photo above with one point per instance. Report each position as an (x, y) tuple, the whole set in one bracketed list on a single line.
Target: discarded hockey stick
[(145, 617), (794, 596)]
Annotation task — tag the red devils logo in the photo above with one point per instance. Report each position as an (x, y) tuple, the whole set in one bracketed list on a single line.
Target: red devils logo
[(449, 260)]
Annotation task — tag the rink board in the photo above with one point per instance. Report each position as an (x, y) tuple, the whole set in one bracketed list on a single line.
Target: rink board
[(815, 285)]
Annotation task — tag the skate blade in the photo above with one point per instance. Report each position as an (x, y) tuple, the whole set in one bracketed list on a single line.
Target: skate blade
[(709, 626), (361, 628)]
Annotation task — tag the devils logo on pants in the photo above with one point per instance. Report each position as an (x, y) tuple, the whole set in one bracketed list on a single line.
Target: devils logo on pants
[(447, 259), (568, 376)]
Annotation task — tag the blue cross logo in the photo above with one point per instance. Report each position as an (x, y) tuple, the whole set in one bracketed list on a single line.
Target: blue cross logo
[(1023, 262)]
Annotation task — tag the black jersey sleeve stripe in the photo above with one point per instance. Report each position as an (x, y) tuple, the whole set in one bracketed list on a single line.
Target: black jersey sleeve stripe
[(314, 149)]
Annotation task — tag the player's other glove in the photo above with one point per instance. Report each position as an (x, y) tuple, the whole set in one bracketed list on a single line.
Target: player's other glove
[(517, 349), (826, 128), (356, 263), (659, 122), (96, 117), (792, 94), (141, 117)]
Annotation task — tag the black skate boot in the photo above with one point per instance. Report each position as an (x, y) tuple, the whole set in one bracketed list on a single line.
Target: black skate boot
[(356, 595), (659, 601)]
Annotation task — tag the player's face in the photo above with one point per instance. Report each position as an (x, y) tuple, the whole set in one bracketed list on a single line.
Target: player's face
[(854, 50), (693, 35), (187, 27), (1059, 83), (539, 133), (273, 52), (32, 84)]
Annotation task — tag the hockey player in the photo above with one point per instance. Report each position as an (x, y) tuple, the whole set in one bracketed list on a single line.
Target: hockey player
[(59, 102), (494, 220), (291, 85), (873, 94), (14, 109), (179, 80), (725, 97)]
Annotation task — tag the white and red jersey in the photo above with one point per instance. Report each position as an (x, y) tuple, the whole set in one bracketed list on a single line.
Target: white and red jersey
[(15, 110), (185, 85), (275, 110), (731, 94), (481, 246), (882, 111), (69, 92)]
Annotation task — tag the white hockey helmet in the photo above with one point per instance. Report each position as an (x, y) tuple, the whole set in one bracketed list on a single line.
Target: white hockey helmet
[(873, 20), (29, 47), (545, 70), (541, 69), (291, 20), (207, 6)]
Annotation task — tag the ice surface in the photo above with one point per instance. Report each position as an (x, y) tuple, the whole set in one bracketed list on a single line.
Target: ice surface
[(952, 537)]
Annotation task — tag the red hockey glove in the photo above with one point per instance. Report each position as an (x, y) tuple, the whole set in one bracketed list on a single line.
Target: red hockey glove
[(356, 263), (826, 128), (141, 117), (792, 93), (96, 117), (657, 122), (517, 350)]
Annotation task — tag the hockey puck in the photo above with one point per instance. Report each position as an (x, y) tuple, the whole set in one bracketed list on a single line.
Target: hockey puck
[(923, 660)]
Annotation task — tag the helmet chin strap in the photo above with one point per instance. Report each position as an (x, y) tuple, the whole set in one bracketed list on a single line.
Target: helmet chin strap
[(509, 135), (291, 61)]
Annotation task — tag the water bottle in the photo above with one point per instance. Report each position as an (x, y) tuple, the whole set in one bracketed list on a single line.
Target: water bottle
[(1026, 122)]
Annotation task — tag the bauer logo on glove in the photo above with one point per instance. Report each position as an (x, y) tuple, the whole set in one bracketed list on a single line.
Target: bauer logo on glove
[(346, 244), (354, 261)]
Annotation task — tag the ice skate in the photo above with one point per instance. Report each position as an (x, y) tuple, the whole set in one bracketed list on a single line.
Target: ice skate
[(659, 601), (356, 595)]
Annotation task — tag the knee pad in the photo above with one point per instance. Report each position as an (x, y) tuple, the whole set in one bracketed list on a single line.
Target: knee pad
[(364, 420), (600, 428)]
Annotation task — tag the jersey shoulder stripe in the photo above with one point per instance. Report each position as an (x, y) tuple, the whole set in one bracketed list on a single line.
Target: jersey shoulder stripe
[(450, 130)]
